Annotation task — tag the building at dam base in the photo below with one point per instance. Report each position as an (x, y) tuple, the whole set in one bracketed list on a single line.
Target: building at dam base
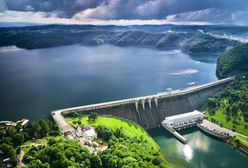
[(182, 121)]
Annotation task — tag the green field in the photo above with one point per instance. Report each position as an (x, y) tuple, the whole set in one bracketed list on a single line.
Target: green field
[(130, 128)]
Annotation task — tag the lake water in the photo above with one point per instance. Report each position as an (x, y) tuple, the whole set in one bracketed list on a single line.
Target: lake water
[(201, 151), (34, 82)]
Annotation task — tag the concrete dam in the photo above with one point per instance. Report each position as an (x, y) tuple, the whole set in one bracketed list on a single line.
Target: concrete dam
[(149, 111)]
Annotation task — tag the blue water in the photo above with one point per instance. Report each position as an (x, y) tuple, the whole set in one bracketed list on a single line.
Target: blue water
[(34, 82)]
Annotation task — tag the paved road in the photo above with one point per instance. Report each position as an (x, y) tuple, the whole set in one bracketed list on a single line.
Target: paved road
[(21, 155), (62, 123)]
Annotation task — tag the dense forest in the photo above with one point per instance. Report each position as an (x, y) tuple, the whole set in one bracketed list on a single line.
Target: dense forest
[(13, 137), (233, 62)]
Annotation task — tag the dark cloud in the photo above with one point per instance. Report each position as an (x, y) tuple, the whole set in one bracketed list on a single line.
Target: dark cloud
[(66, 8), (133, 9)]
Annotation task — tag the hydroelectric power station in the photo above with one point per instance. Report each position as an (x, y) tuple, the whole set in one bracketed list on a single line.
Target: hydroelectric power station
[(182, 121)]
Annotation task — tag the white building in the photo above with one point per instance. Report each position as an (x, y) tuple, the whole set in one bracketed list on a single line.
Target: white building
[(89, 134), (183, 120)]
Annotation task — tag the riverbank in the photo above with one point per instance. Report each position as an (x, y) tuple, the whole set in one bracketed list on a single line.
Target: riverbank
[(240, 144)]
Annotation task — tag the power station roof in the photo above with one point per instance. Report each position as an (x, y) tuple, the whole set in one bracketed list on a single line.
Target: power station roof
[(184, 115)]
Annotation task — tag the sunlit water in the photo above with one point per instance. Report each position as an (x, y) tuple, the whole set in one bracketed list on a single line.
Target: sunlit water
[(201, 151), (34, 82)]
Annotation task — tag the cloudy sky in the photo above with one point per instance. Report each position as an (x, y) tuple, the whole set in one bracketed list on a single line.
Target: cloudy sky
[(125, 12)]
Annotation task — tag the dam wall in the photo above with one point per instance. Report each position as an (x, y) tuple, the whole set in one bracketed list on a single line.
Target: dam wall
[(150, 111)]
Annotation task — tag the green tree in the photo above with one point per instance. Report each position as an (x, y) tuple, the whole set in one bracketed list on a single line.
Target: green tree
[(79, 122), (18, 139), (212, 103), (35, 164), (18, 150), (34, 130), (7, 150), (75, 114), (119, 132), (104, 133), (44, 127), (95, 161), (93, 116), (14, 160)]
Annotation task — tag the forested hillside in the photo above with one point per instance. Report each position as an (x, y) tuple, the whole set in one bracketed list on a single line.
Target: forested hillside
[(229, 107), (191, 42), (233, 62)]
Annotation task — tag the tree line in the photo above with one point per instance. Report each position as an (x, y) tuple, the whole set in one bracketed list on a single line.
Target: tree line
[(12, 137)]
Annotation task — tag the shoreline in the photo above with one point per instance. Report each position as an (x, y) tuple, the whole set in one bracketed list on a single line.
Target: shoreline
[(240, 150)]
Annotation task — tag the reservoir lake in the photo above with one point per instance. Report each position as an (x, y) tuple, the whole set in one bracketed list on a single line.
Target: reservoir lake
[(35, 82)]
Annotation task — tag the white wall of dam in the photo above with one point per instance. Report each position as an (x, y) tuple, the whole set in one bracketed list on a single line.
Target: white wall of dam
[(150, 111)]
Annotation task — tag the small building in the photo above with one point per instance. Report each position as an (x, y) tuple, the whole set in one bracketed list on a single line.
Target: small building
[(89, 134), (6, 160), (23, 122), (8, 123), (70, 137), (184, 120), (79, 131)]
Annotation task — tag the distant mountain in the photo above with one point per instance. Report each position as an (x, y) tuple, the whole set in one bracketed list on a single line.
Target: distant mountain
[(190, 39), (16, 24), (233, 62)]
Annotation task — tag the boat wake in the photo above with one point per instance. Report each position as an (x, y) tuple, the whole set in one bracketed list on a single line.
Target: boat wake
[(184, 72)]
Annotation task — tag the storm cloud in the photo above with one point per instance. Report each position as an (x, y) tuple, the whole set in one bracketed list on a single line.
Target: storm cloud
[(216, 11)]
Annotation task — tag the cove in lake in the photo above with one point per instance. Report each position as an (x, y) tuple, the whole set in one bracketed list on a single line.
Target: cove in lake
[(201, 151), (34, 82)]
